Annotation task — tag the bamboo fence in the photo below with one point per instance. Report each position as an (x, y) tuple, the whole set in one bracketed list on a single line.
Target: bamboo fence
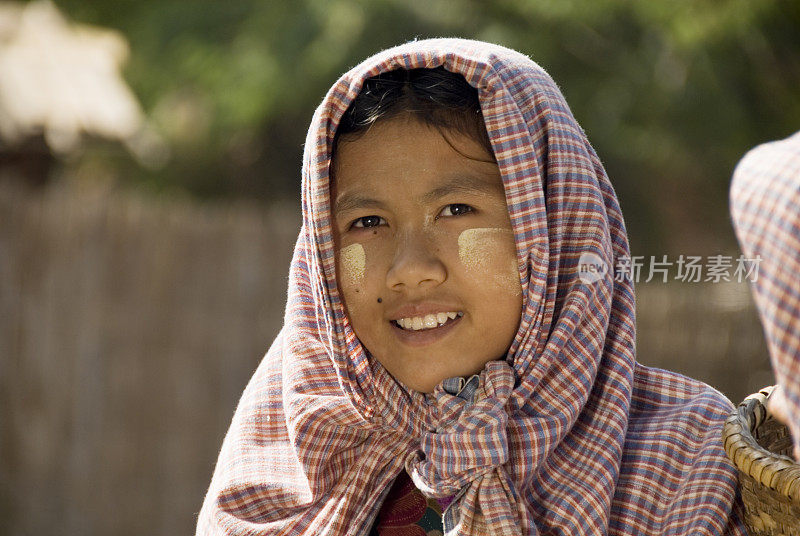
[(130, 324)]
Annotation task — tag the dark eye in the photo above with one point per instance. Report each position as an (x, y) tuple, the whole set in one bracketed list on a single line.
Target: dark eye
[(367, 221), (456, 209)]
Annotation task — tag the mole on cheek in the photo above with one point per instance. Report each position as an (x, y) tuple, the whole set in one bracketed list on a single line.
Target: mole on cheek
[(352, 261)]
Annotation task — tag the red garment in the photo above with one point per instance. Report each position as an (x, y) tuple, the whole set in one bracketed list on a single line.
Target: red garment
[(406, 511)]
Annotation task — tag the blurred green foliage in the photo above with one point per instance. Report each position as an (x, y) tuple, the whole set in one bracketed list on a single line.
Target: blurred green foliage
[(671, 92)]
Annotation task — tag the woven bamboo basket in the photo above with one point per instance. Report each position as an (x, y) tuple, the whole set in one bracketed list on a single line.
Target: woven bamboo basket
[(769, 479)]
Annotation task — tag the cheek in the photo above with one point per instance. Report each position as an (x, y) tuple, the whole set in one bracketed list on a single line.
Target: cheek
[(352, 267), (357, 286), (489, 256)]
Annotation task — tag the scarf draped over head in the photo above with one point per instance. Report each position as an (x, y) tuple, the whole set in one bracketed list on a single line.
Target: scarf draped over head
[(765, 207), (566, 435)]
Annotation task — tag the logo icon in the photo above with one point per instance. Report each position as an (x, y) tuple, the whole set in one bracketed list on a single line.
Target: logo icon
[(591, 268)]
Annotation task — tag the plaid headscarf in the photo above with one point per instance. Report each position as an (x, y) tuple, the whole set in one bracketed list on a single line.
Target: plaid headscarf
[(567, 434), (765, 207)]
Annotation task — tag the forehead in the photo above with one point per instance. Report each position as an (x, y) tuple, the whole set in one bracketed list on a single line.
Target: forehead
[(407, 157)]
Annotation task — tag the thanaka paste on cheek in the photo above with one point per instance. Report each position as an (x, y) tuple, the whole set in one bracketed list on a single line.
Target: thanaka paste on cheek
[(353, 262), (479, 249)]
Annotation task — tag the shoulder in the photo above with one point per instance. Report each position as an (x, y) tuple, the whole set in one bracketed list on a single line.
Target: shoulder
[(662, 396), (675, 428), (673, 450)]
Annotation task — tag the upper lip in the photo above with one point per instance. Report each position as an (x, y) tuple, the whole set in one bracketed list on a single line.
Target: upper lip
[(421, 309)]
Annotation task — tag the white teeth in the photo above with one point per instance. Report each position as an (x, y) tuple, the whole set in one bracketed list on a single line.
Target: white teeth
[(430, 321)]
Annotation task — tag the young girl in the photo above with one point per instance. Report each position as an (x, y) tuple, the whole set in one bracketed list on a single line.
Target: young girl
[(443, 361)]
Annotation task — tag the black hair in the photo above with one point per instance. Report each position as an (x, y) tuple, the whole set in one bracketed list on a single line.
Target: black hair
[(436, 97)]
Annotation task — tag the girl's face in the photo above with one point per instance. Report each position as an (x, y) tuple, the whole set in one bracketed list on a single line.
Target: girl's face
[(425, 256)]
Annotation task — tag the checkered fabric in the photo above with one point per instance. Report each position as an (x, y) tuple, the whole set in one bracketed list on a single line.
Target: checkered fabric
[(566, 435), (765, 207)]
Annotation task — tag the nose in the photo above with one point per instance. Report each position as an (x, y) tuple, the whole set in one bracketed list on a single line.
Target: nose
[(416, 264)]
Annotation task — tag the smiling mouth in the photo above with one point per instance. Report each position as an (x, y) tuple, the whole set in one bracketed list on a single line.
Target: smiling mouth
[(427, 322)]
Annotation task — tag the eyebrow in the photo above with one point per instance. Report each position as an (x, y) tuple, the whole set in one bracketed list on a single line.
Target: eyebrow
[(355, 201), (461, 184)]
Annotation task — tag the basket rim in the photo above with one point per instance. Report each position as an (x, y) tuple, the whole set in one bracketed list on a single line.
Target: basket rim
[(775, 471)]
